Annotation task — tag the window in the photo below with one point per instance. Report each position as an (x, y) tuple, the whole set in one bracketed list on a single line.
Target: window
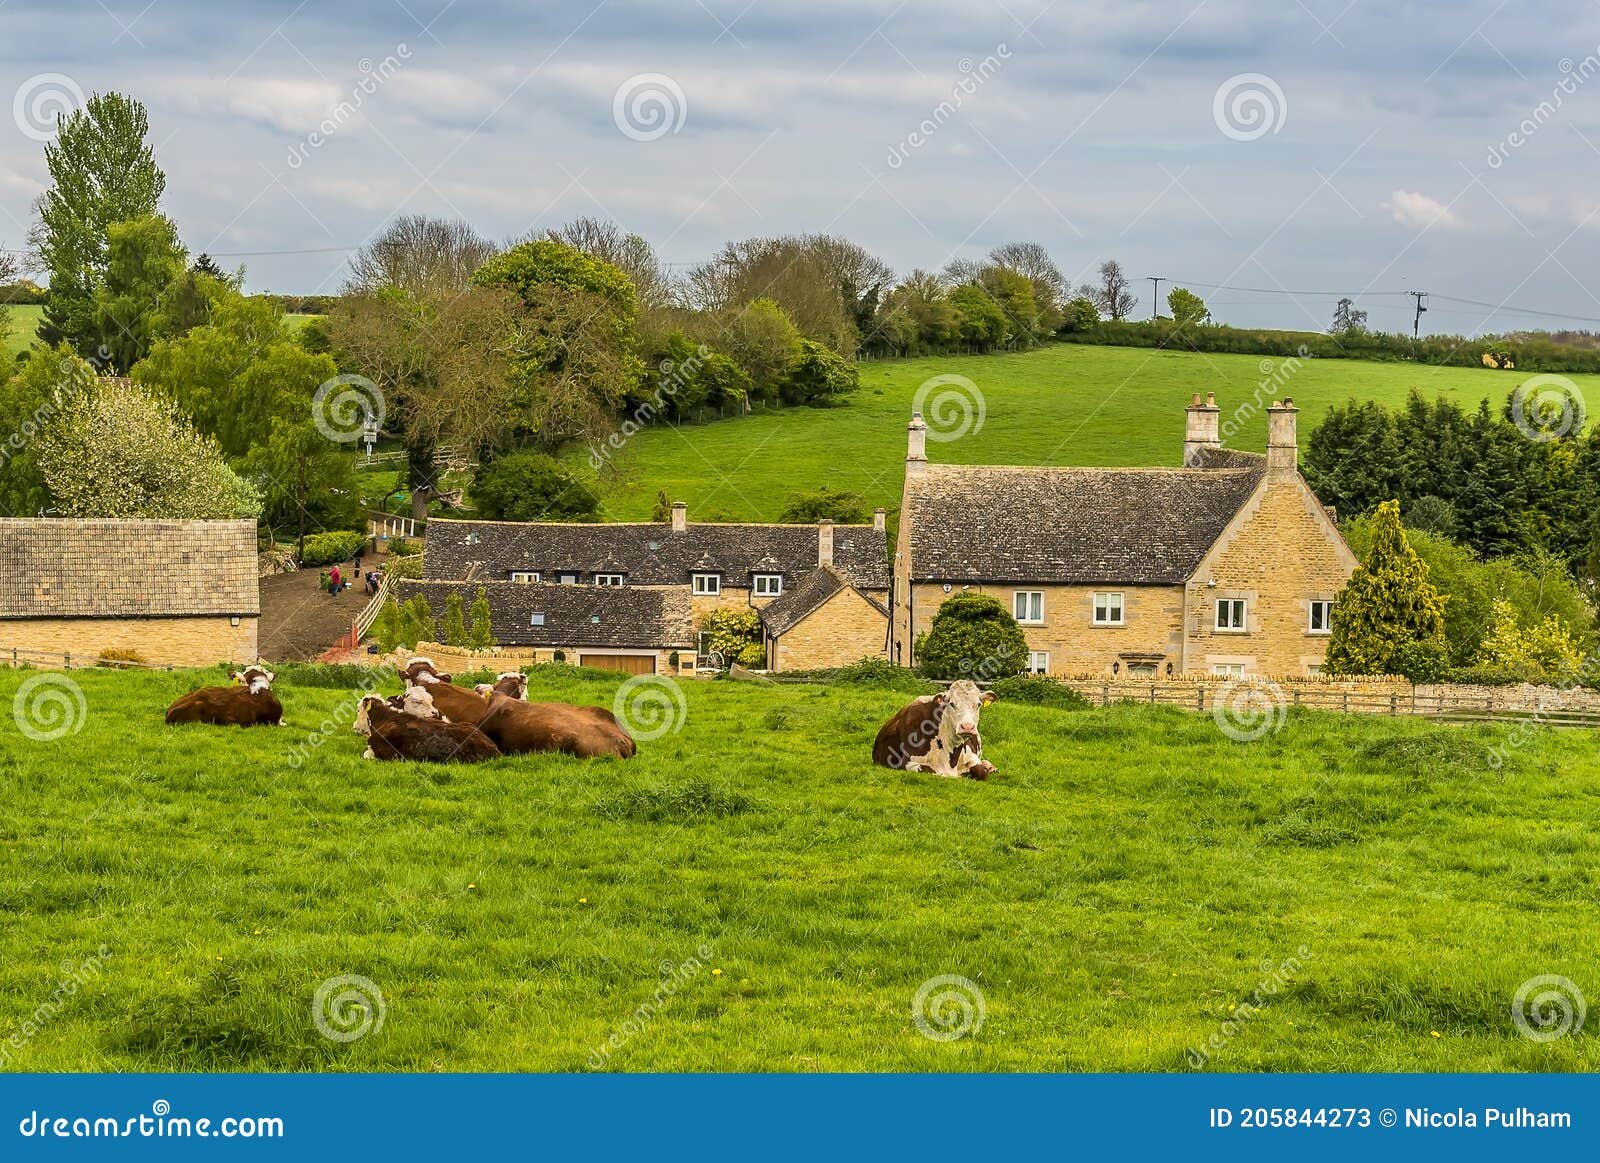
[(1314, 669), (1230, 614), (608, 579), (1108, 610), (768, 585), (1038, 662), (707, 584), (569, 579), (1321, 618), (1228, 669), (1141, 670), (1028, 605), (521, 575), (536, 618)]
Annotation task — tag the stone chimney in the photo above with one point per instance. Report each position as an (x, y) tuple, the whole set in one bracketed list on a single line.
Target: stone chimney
[(825, 542), (680, 517), (916, 440), (1283, 449), (1201, 428), (879, 517)]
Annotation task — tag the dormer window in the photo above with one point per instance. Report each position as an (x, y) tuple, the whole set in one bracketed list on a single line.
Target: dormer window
[(767, 585), (706, 585), (568, 579), (524, 575), (608, 579)]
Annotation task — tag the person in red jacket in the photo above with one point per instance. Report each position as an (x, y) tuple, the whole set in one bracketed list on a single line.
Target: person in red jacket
[(333, 581)]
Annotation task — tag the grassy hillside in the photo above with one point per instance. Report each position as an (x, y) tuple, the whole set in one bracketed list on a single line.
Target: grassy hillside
[(1128, 880), (24, 322), (1067, 405)]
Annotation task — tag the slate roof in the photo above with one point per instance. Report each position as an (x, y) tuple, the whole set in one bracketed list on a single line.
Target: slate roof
[(1070, 526), (784, 613), (628, 616), (66, 568), (650, 554)]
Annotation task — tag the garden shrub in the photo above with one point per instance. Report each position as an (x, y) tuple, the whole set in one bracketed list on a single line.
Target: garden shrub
[(1038, 691), (973, 636), (331, 548)]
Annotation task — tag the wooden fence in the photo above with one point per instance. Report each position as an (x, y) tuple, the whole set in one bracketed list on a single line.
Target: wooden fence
[(386, 525), (22, 656)]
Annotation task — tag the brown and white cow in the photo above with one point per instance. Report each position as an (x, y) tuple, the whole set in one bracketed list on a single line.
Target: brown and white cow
[(251, 703), (422, 670), (411, 734), (518, 727), (937, 733), (511, 683)]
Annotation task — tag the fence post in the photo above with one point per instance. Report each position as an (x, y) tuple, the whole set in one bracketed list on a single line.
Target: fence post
[(68, 657), (1347, 700), (1152, 692), (1105, 694), (1394, 704), (1200, 699)]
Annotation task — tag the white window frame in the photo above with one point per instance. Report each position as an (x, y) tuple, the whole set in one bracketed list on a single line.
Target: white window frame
[(1031, 603), (524, 576), (536, 618), (608, 579), (1038, 662), (567, 579), (1243, 605), (1327, 616), (1228, 669), (766, 585), (1103, 598), (706, 585)]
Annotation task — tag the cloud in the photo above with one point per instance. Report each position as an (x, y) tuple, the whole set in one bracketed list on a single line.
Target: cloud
[(1418, 211)]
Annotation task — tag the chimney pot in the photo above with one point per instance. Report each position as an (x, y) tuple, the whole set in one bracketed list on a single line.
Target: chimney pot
[(879, 516), (1211, 399), (916, 440), (680, 517), (825, 541)]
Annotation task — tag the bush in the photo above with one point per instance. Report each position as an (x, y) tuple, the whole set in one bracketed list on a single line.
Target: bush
[(1038, 691), (116, 655), (973, 636), (331, 548), (869, 672), (736, 635), (454, 624), (402, 547), (1422, 662), (837, 505), (403, 567), (529, 486), (819, 377)]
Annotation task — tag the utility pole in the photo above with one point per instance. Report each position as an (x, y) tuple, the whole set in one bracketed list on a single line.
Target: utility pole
[(1416, 320), (1155, 300)]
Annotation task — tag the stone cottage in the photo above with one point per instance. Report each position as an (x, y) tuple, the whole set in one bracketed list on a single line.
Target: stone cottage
[(1229, 565)]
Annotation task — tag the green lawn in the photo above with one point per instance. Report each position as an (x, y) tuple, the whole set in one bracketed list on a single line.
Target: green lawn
[(1068, 405), (1113, 892), (24, 322)]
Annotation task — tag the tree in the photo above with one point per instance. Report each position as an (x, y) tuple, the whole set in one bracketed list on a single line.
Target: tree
[(819, 377), (764, 341), (1347, 320), (530, 486), (419, 254), (417, 622), (39, 390), (736, 635), (145, 259), (973, 636), (389, 628), (1545, 651), (1081, 314), (8, 275), (629, 253), (837, 505), (983, 323), (1388, 607), (117, 451), (916, 316), (1352, 457), (205, 265), (102, 171), (481, 635), (1033, 262), (1188, 309), (453, 627), (1112, 296)]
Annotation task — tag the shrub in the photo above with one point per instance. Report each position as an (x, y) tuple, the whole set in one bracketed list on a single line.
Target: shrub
[(454, 624), (1388, 606), (837, 505), (1425, 661), (331, 548), (404, 567), (417, 622), (116, 654), (481, 635), (973, 636), (389, 628), (819, 377), (736, 635), (402, 547), (530, 486), (1038, 691)]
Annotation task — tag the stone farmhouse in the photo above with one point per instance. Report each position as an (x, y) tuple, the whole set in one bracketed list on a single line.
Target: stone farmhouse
[(631, 596), (177, 593), (1226, 566)]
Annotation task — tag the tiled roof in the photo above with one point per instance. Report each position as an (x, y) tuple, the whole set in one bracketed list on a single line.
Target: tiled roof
[(649, 554), (1070, 526), (784, 613), (66, 568), (574, 615)]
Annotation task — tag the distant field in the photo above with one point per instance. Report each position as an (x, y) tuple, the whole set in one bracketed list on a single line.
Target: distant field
[(25, 323), (1065, 405)]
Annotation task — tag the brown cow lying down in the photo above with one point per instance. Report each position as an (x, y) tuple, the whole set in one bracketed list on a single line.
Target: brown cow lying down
[(518, 727), (393, 734), (421, 669), (937, 733), (251, 704), (512, 683)]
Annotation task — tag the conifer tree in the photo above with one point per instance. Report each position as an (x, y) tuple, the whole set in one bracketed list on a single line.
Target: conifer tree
[(1389, 609), (481, 636)]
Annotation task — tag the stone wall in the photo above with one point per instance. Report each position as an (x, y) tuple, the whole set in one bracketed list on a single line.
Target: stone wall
[(844, 629), (190, 641), (454, 660)]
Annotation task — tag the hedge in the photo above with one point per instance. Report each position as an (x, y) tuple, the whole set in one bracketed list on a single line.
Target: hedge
[(331, 548)]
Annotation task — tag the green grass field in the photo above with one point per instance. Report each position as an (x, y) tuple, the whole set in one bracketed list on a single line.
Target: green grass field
[(24, 322), (1065, 405), (1115, 892)]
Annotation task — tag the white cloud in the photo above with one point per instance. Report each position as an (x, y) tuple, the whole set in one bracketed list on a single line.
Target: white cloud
[(1419, 211)]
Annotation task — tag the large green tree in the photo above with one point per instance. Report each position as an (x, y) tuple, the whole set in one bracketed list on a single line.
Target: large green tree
[(1389, 614), (145, 260), (102, 171)]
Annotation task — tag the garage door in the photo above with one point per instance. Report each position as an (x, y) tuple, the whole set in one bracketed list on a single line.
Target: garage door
[(627, 663)]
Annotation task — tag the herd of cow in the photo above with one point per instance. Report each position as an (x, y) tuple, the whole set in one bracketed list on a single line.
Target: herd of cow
[(436, 721)]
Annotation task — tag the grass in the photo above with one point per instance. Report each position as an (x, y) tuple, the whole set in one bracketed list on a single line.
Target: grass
[(25, 324), (1066, 405), (1114, 892)]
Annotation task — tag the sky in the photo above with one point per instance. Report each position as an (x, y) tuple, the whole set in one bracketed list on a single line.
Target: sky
[(1270, 156)]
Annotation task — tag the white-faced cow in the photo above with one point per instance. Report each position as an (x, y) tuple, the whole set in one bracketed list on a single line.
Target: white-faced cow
[(511, 683), (418, 733), (251, 703), (937, 733)]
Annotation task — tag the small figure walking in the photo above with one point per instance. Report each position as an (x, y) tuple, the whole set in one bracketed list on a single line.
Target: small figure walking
[(333, 581)]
